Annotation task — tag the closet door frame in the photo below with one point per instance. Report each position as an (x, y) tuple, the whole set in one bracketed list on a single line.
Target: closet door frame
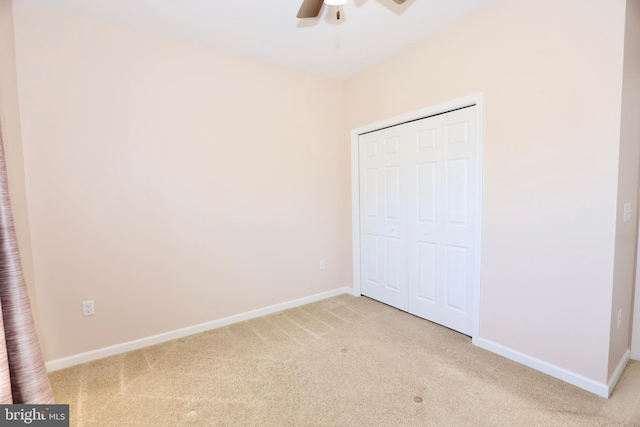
[(471, 100)]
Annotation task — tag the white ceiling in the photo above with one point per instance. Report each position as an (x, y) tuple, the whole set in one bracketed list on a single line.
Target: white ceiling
[(369, 30)]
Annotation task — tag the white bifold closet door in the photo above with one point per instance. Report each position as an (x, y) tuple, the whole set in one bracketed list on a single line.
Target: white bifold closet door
[(418, 207)]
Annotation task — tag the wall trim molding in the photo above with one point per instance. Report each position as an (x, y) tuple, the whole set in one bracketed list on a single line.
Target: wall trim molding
[(65, 362), (588, 384), (618, 372)]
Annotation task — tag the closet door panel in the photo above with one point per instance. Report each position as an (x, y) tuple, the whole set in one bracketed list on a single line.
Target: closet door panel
[(417, 211), (383, 216)]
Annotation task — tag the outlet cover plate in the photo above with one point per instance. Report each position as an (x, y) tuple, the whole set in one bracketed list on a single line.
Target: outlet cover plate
[(88, 309)]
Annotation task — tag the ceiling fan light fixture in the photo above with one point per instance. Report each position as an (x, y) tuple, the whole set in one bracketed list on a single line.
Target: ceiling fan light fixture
[(335, 2)]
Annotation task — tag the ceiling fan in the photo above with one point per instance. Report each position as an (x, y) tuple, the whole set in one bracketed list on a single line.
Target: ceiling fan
[(311, 8)]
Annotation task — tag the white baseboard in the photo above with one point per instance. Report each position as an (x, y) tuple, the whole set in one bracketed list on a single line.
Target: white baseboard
[(618, 372), (55, 365), (600, 389)]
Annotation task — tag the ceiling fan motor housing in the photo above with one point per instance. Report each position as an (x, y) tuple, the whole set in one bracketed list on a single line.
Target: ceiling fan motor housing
[(311, 8)]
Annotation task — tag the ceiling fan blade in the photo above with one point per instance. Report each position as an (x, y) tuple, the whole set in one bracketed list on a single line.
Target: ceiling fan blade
[(310, 8)]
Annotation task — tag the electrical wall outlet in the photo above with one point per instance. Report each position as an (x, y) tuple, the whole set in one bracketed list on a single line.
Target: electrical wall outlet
[(627, 212), (619, 318), (323, 265), (87, 308)]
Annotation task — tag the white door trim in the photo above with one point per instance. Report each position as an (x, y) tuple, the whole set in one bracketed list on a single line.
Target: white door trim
[(467, 101)]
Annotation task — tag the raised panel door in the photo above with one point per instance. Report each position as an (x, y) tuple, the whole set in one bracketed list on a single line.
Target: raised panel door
[(418, 207)]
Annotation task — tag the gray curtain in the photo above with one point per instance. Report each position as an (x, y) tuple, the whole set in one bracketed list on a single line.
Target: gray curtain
[(23, 377)]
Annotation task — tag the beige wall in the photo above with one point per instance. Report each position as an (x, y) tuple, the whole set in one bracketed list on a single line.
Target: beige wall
[(629, 164), (12, 143), (172, 184), (551, 75), (630, 135)]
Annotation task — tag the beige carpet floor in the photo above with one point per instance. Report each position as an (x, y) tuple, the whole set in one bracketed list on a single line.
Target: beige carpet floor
[(344, 361)]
